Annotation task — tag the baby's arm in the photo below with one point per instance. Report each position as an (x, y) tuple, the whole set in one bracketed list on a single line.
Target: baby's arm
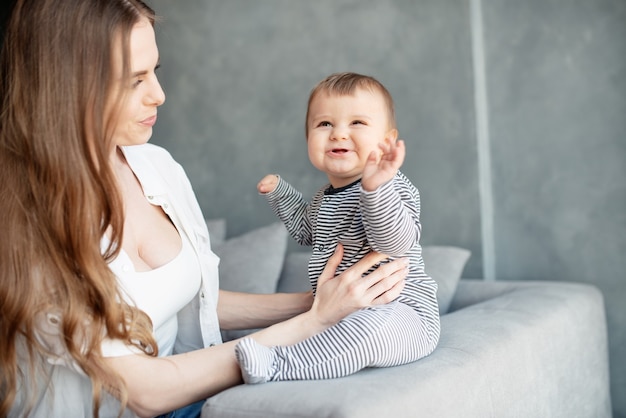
[(289, 205), (391, 216), (390, 204)]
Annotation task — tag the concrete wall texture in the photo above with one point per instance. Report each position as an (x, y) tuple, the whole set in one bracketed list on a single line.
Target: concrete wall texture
[(514, 113)]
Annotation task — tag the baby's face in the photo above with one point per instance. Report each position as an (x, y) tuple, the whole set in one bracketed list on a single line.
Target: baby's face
[(343, 130)]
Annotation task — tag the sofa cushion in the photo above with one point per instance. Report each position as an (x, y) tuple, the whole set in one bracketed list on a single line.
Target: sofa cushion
[(295, 277), (445, 265), (251, 263)]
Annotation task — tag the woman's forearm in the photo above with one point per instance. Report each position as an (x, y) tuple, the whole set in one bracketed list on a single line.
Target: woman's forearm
[(157, 385), (244, 310)]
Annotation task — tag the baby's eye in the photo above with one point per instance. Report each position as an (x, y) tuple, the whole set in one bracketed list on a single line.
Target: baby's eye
[(358, 122), (324, 123)]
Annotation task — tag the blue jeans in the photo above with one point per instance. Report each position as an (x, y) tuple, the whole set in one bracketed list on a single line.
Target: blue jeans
[(190, 411)]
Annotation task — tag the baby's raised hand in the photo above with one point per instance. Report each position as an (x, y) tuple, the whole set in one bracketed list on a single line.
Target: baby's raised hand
[(377, 172), (267, 183)]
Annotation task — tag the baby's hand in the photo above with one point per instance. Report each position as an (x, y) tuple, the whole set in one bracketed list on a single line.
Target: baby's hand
[(267, 183), (377, 172)]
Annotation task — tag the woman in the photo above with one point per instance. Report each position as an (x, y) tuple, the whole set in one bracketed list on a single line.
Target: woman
[(108, 285)]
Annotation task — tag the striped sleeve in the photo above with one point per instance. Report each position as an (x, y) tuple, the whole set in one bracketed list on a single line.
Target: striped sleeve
[(291, 208), (391, 216)]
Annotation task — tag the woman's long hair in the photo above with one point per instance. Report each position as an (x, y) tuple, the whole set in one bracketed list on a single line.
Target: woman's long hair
[(58, 193)]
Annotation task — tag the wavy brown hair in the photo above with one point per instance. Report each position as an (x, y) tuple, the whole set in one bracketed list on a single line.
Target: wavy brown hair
[(58, 193)]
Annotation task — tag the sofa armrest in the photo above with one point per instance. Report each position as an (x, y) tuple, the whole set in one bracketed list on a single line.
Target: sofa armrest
[(530, 349), (552, 358), (472, 291)]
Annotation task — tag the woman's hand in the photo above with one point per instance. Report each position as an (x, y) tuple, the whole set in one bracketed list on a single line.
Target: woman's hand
[(339, 296)]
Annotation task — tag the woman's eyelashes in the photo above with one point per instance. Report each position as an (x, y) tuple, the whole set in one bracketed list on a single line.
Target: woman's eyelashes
[(139, 78)]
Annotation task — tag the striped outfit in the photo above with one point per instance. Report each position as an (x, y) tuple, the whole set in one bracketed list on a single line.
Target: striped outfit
[(385, 220)]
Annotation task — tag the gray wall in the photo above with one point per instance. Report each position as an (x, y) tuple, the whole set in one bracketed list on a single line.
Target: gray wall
[(513, 114)]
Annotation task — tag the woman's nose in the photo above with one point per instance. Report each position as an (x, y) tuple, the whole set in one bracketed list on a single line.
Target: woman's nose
[(156, 95)]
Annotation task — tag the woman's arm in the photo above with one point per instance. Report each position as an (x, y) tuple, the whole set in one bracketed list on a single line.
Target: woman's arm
[(159, 385), (238, 310)]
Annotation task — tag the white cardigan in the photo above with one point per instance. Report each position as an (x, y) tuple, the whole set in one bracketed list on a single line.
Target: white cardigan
[(165, 183)]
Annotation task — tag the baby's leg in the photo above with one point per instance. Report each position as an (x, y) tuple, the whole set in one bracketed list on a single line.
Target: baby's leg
[(384, 336)]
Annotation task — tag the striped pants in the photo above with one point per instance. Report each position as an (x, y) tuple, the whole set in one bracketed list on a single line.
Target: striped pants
[(381, 336)]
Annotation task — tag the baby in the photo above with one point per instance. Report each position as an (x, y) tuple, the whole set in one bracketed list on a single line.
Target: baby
[(368, 205)]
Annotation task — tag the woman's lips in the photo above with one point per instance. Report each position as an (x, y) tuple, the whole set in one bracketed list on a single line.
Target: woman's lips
[(149, 121)]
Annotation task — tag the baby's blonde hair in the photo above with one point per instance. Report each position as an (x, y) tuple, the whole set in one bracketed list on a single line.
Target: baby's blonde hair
[(347, 83)]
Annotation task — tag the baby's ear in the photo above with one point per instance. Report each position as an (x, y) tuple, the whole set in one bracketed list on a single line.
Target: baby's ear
[(391, 136)]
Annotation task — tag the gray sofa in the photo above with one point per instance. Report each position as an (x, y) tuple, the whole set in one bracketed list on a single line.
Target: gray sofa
[(507, 348)]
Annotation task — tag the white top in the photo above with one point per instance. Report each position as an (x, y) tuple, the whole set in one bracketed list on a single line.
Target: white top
[(161, 293)]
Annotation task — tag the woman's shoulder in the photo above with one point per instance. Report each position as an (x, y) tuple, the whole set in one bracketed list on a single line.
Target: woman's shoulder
[(154, 166)]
